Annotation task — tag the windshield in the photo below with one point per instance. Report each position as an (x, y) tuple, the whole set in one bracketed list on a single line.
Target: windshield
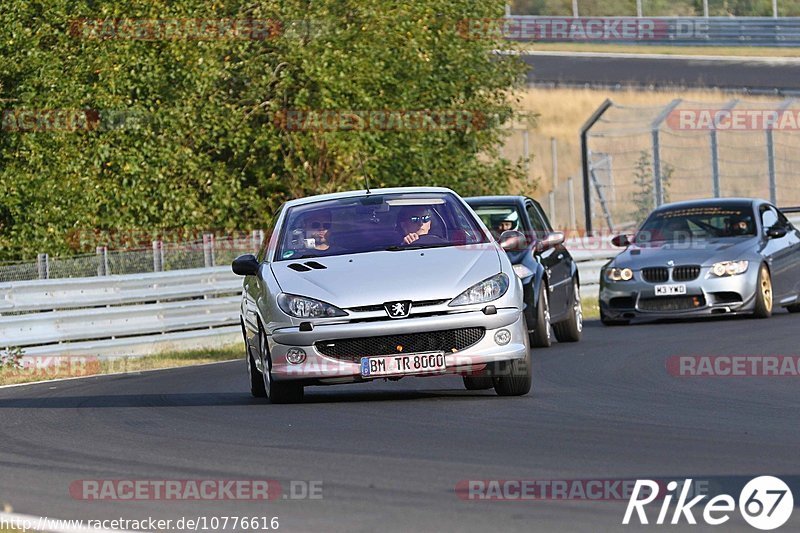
[(372, 223), (693, 223)]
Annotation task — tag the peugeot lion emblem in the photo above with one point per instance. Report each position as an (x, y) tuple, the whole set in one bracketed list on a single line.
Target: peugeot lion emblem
[(397, 309)]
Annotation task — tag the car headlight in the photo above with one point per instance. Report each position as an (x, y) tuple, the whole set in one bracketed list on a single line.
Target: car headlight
[(302, 307), (619, 274), (522, 271), (728, 268), (485, 291)]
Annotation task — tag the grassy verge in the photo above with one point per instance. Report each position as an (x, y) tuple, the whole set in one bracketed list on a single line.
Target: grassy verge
[(68, 367), (748, 51), (591, 308)]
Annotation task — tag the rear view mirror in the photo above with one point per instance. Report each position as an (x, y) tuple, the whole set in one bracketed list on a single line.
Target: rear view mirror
[(512, 240), (621, 241), (245, 265), (553, 239)]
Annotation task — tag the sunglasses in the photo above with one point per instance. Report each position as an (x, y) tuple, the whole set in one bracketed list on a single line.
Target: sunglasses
[(318, 225), (419, 219)]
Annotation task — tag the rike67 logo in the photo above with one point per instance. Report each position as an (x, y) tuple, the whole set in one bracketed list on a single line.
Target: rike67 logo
[(765, 503)]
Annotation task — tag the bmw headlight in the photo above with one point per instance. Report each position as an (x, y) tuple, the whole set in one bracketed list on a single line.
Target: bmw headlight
[(522, 271), (485, 291), (619, 274), (728, 268), (302, 307)]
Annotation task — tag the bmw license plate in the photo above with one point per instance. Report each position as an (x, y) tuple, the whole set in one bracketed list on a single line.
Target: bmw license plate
[(670, 290), (403, 365)]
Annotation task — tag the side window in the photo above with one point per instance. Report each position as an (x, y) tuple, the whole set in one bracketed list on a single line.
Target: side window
[(769, 217), (539, 227), (262, 251)]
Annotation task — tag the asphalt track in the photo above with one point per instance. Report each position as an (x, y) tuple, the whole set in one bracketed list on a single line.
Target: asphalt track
[(664, 72), (390, 454)]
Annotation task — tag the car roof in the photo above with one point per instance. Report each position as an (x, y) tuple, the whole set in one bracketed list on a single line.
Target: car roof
[(704, 202), (495, 200), (364, 192)]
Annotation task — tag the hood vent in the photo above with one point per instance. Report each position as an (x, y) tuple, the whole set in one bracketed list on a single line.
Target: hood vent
[(315, 265), (299, 268)]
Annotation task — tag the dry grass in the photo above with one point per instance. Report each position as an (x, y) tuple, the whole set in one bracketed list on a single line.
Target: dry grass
[(562, 112), (590, 307), (745, 51), (77, 367)]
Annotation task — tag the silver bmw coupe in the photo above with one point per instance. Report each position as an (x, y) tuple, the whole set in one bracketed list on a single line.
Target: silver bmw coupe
[(382, 284), (704, 257)]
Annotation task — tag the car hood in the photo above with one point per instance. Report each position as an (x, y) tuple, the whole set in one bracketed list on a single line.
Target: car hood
[(377, 277), (700, 252)]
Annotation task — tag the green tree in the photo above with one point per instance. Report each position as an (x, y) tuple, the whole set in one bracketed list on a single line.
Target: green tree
[(199, 146)]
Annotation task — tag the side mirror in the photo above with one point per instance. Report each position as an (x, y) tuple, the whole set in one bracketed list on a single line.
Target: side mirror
[(512, 240), (776, 232), (621, 241), (245, 265), (552, 240)]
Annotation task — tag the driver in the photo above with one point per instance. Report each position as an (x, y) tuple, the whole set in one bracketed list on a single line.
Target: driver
[(317, 226), (415, 225), (738, 226)]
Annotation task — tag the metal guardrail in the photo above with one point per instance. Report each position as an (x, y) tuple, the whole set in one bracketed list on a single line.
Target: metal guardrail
[(681, 31), (119, 315), (131, 314)]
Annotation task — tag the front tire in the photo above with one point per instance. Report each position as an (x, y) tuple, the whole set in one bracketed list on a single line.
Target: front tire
[(276, 392), (764, 299), (540, 337), (570, 330)]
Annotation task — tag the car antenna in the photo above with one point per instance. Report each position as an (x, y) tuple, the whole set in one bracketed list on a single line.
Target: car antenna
[(364, 172)]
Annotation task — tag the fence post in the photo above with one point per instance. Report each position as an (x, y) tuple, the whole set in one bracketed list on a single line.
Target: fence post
[(705, 8), (158, 256), (575, 8), (573, 219), (655, 127), (773, 180), (43, 266), (526, 153), (554, 158), (552, 200), (716, 189), (639, 8), (587, 185), (208, 249), (102, 260)]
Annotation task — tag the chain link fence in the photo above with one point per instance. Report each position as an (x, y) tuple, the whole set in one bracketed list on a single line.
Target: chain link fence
[(159, 257), (637, 158)]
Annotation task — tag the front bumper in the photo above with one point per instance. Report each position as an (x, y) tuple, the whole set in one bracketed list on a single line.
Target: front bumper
[(322, 369), (636, 298)]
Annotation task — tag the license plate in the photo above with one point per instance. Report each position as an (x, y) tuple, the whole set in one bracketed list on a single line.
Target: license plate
[(403, 365), (669, 290)]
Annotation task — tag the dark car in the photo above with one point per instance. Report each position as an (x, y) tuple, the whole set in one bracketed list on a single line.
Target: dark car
[(548, 272)]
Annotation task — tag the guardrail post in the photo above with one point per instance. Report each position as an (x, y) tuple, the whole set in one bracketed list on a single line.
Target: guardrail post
[(43, 266), (158, 256), (102, 260), (208, 249)]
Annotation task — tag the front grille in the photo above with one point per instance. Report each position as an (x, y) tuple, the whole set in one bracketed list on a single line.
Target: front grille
[(447, 341), (655, 274), (686, 273), (379, 307), (672, 303)]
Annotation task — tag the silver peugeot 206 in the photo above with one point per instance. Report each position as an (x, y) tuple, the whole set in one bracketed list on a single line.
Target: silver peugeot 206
[(704, 257), (364, 285)]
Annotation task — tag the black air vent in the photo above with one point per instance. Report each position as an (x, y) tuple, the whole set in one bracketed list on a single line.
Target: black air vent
[(315, 265), (299, 268)]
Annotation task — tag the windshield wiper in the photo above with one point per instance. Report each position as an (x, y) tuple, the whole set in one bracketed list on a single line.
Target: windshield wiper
[(400, 248)]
